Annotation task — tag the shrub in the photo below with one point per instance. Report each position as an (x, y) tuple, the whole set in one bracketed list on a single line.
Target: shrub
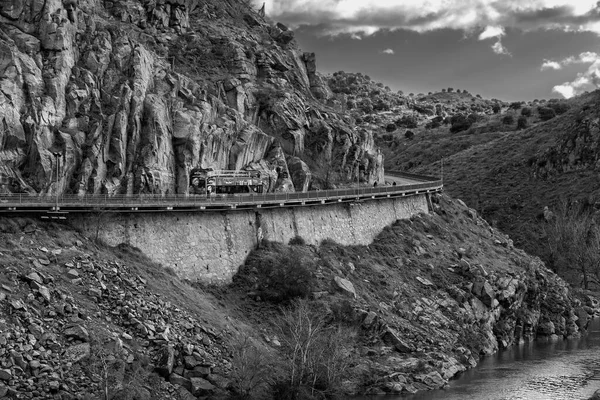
[(297, 241), (279, 273), (546, 113), (515, 105), (409, 134), (526, 112), (252, 370), (559, 107), (391, 127), (508, 119), (496, 108), (450, 90), (459, 123), (522, 122), (317, 353), (407, 121)]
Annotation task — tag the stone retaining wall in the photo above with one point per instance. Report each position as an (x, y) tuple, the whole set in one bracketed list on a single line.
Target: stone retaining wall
[(210, 246)]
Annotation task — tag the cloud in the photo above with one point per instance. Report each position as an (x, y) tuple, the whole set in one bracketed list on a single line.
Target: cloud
[(499, 48), (491, 32), (588, 80), (586, 57), (489, 18), (388, 51), (551, 65)]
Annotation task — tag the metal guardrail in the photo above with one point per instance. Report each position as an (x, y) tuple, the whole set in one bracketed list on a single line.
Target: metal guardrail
[(25, 201)]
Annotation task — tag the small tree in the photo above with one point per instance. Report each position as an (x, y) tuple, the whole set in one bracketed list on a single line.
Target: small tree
[(574, 245), (546, 113), (317, 353), (526, 112), (496, 108), (409, 135), (522, 122), (508, 119)]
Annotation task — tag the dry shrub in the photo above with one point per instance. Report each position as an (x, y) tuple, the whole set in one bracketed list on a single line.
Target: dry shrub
[(317, 353)]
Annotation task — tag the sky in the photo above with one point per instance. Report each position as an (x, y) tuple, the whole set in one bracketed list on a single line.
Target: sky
[(505, 49)]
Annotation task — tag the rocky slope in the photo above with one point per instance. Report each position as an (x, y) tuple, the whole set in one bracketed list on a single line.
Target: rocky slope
[(423, 302), (428, 298), (129, 97)]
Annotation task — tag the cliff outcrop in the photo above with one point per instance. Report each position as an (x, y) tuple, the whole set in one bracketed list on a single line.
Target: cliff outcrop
[(128, 97)]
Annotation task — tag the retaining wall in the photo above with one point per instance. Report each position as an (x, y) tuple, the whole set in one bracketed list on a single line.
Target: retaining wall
[(210, 246)]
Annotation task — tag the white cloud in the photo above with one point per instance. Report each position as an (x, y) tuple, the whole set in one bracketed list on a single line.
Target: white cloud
[(491, 32), (499, 48), (388, 51), (489, 17), (587, 57), (551, 65), (588, 80)]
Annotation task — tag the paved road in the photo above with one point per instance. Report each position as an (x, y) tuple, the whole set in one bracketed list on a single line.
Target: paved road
[(401, 181)]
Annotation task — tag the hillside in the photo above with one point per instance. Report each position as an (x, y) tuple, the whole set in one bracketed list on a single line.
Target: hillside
[(511, 177), (130, 97), (423, 302)]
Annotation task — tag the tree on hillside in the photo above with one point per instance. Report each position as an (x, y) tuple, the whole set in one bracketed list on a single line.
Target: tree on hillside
[(496, 108), (574, 245), (508, 119), (515, 105), (522, 122), (526, 111), (546, 113)]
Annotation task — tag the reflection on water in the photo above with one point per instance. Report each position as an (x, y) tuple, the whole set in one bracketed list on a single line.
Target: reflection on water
[(562, 370)]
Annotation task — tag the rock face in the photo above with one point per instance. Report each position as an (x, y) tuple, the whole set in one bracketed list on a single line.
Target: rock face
[(128, 97)]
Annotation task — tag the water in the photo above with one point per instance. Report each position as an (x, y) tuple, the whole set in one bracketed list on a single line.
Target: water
[(563, 370)]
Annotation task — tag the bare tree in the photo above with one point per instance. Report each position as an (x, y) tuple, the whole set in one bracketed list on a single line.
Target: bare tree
[(574, 244)]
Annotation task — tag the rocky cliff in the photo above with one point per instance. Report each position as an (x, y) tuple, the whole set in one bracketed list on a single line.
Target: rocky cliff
[(126, 97)]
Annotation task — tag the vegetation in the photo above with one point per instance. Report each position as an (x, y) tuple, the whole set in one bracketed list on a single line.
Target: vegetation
[(279, 273), (522, 122), (546, 113), (574, 244), (316, 352)]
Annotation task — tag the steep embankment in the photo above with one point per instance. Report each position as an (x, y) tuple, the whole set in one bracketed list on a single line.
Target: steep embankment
[(511, 179), (427, 298), (130, 97), (423, 302)]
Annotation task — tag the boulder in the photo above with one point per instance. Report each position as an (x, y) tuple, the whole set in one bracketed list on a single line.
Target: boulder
[(345, 286), (392, 337), (77, 332), (77, 353), (201, 387), (165, 361)]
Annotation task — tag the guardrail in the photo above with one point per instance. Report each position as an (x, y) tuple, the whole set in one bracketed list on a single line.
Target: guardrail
[(16, 202)]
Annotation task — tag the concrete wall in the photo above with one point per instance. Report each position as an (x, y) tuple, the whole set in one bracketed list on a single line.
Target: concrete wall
[(210, 246)]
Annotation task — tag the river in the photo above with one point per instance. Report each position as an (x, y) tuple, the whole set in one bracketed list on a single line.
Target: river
[(562, 370)]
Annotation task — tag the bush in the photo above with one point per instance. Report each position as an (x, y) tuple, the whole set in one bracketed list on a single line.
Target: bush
[(526, 112), (508, 119), (522, 122), (496, 108), (515, 105), (559, 107), (297, 241), (460, 123), (409, 134), (317, 353), (391, 127), (546, 113), (407, 121), (252, 370), (279, 273)]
